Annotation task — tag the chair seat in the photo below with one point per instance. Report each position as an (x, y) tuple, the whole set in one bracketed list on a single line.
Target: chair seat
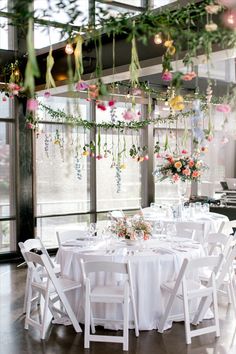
[(66, 285), (111, 294)]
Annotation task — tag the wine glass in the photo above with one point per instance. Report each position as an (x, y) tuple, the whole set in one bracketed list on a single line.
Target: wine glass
[(171, 232), (158, 227), (92, 229)]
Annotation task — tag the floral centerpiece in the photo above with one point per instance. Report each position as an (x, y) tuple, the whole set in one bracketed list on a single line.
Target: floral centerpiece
[(180, 168), (129, 228)]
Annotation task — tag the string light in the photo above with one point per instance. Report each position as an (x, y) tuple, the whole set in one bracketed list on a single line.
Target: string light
[(69, 49), (158, 38)]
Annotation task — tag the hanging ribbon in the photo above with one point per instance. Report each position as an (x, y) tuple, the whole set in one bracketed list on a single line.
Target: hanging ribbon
[(78, 55), (32, 69), (134, 65), (49, 78)]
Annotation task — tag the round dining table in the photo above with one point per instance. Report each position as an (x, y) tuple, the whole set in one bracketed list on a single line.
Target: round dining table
[(153, 262)]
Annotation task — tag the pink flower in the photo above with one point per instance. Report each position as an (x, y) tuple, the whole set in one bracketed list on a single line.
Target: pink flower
[(210, 138), (4, 99), (101, 106), (189, 76), (175, 177), (212, 9), (184, 151), (30, 125), (111, 103), (195, 174), (14, 88), (137, 92), (146, 157), (167, 76), (186, 172), (99, 157), (32, 104), (47, 94), (129, 115), (81, 85), (225, 108)]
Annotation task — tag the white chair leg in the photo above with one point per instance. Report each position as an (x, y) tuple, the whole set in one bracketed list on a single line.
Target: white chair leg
[(232, 293), (186, 316), (44, 319), (216, 312), (87, 317), (70, 313), (166, 314), (126, 320), (28, 307), (135, 315), (27, 285)]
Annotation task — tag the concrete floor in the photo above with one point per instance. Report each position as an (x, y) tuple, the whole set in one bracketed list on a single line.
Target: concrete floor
[(14, 339)]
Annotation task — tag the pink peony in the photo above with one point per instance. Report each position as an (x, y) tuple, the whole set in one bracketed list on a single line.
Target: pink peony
[(167, 76), (175, 177), (32, 104), (81, 86), (186, 172), (129, 115), (224, 108)]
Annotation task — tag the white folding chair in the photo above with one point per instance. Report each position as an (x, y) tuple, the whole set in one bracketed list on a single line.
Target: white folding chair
[(36, 245), (225, 279), (52, 288), (120, 293), (216, 243), (70, 235), (186, 289), (197, 230)]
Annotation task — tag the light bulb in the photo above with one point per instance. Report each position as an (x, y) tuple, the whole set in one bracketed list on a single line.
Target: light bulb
[(157, 38), (69, 49)]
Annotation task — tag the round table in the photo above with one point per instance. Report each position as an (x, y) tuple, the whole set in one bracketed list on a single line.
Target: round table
[(152, 264)]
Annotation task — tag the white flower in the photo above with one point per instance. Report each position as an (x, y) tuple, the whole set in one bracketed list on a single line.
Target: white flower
[(212, 9), (211, 27)]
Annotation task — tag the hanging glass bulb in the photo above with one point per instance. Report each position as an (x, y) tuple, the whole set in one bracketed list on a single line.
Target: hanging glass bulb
[(158, 38), (69, 49)]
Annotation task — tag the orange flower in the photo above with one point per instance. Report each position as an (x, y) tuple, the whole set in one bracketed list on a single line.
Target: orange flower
[(195, 174), (178, 164)]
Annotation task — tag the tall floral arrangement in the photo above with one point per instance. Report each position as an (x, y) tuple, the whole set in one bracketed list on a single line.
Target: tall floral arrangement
[(183, 168)]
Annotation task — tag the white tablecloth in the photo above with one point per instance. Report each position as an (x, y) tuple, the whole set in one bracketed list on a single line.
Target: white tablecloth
[(151, 266)]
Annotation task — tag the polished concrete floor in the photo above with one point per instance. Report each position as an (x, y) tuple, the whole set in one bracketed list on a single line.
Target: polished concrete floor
[(14, 339)]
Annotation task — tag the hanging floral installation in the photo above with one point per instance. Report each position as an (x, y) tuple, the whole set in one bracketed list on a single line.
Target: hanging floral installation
[(191, 29)]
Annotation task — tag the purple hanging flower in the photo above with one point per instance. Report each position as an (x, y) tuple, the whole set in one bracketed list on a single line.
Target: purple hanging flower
[(81, 86)]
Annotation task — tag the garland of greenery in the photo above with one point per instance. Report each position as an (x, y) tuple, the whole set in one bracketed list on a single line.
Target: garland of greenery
[(60, 116)]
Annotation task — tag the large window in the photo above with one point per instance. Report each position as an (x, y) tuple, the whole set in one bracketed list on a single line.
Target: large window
[(62, 172), (7, 188)]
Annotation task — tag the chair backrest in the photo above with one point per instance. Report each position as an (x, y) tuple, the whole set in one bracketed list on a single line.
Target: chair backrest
[(70, 235), (40, 261), (227, 227), (218, 242), (197, 227), (36, 245), (97, 266), (191, 267), (226, 266)]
